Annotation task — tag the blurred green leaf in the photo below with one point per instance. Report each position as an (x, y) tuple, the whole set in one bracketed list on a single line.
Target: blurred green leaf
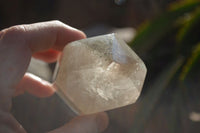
[(192, 60), (153, 31), (194, 20), (180, 4), (188, 35), (150, 100)]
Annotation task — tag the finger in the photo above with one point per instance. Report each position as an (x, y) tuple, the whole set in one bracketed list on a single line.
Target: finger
[(41, 36), (49, 56), (55, 34), (8, 124), (85, 124), (35, 86)]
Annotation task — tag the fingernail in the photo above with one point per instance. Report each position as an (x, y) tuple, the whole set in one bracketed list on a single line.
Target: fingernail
[(102, 121)]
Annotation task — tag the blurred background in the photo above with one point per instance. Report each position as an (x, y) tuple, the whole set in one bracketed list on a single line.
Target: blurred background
[(165, 34)]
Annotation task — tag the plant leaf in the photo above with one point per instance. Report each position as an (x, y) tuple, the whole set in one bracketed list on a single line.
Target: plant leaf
[(188, 35), (192, 60), (149, 101), (153, 31)]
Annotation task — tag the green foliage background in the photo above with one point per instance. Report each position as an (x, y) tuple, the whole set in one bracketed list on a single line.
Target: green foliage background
[(169, 44)]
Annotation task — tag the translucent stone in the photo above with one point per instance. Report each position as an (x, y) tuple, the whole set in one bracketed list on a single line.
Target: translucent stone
[(99, 74)]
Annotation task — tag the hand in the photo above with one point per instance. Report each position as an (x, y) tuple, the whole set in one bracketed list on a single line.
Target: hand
[(43, 41)]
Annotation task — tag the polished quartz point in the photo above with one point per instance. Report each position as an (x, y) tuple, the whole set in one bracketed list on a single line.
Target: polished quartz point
[(99, 74)]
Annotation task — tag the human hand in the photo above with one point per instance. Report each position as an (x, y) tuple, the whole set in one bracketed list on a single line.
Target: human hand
[(43, 41)]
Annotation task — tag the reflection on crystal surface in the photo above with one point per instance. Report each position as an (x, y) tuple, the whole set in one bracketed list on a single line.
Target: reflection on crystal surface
[(98, 74)]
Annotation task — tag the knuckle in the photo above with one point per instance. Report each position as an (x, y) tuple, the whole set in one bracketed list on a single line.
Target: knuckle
[(16, 30), (57, 22), (14, 33)]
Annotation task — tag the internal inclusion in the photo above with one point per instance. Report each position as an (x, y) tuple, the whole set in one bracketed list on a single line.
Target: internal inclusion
[(99, 73)]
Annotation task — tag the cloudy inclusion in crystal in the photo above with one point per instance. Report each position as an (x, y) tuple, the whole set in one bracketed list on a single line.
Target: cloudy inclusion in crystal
[(99, 74)]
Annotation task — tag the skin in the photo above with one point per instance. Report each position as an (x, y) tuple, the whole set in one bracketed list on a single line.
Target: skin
[(43, 41)]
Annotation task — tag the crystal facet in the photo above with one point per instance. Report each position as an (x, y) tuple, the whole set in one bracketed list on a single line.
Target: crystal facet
[(99, 74)]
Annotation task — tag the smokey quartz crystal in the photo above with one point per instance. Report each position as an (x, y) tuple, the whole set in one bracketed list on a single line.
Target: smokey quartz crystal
[(99, 74)]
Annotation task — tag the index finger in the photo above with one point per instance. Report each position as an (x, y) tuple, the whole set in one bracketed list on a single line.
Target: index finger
[(40, 37)]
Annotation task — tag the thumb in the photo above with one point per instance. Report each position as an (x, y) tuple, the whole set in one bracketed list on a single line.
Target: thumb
[(94, 123)]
